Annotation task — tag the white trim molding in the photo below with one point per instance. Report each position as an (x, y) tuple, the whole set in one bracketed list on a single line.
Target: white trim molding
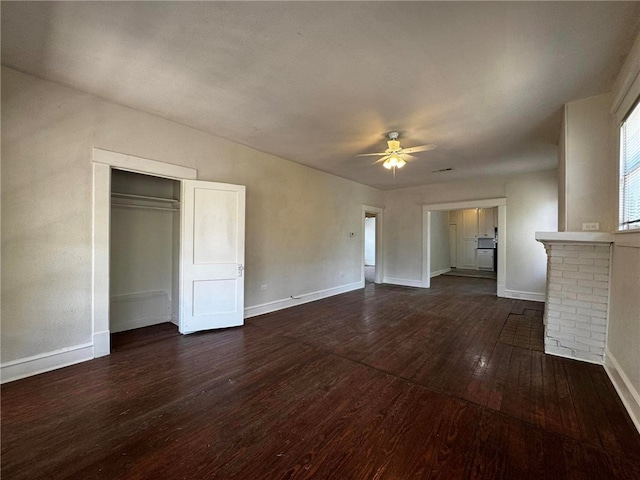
[(281, 304), (132, 163), (45, 362), (627, 393), (439, 272), (519, 295), (403, 282), (101, 343)]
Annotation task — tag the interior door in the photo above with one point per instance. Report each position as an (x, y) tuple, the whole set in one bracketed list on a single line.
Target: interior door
[(453, 244), (470, 238), (211, 256)]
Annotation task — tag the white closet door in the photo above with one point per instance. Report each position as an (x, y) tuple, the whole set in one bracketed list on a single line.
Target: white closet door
[(211, 256)]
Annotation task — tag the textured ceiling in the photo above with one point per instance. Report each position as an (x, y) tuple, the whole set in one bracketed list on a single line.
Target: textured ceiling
[(319, 82)]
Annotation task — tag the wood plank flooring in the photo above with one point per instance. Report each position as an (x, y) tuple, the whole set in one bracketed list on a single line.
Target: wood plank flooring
[(380, 383)]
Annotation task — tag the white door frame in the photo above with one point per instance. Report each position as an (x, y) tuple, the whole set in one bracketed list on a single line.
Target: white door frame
[(501, 203), (379, 265), (103, 162)]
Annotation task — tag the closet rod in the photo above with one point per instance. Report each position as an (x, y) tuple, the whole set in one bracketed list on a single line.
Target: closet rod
[(143, 197), (145, 207)]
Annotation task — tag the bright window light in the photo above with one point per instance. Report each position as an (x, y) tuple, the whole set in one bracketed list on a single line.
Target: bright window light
[(630, 171)]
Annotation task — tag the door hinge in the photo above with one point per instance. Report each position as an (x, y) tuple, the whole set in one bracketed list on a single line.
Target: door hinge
[(240, 270)]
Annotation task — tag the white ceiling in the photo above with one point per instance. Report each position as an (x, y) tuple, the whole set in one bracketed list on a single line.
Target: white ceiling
[(319, 82)]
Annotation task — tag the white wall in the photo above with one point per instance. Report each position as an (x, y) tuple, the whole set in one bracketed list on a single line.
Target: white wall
[(298, 219), (370, 241), (531, 206), (623, 339), (439, 247), (589, 179)]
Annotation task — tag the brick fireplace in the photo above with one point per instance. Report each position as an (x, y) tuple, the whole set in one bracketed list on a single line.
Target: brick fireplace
[(577, 296)]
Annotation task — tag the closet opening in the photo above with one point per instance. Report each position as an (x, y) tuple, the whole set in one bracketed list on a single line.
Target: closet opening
[(144, 259)]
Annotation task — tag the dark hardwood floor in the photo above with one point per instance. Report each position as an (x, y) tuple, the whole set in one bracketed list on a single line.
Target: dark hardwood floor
[(380, 383)]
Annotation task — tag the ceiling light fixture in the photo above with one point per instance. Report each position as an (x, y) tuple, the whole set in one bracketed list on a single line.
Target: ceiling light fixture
[(394, 156), (394, 161)]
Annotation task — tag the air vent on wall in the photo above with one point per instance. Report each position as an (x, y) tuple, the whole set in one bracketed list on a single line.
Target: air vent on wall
[(443, 170)]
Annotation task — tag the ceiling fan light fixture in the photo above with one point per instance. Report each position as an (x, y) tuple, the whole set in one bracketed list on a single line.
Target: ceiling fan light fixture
[(394, 156), (394, 161)]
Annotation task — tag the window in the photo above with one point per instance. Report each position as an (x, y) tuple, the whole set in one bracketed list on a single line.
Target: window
[(630, 171)]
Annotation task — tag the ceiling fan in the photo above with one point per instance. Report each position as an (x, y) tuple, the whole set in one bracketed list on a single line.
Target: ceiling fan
[(395, 156)]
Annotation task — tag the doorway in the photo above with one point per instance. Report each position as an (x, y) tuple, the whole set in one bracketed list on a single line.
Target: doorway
[(429, 211), (372, 271), (144, 251), (369, 248)]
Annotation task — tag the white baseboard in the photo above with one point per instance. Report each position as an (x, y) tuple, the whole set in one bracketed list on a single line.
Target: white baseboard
[(517, 294), (139, 310), (45, 362), (626, 391), (101, 344), (141, 322), (439, 272), (299, 300), (403, 282)]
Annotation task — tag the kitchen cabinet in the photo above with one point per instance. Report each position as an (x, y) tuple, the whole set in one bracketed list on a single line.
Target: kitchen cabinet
[(485, 259), (486, 222)]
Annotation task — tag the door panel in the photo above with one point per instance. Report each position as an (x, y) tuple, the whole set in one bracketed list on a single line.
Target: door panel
[(469, 257), (212, 256), (215, 229), (470, 238), (470, 223), (215, 297), (453, 245)]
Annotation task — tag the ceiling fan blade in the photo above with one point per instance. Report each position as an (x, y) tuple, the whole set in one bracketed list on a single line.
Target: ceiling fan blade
[(419, 148), (371, 154), (406, 156), (381, 160)]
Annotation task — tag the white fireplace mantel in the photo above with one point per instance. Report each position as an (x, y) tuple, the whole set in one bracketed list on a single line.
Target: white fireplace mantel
[(577, 297), (574, 237)]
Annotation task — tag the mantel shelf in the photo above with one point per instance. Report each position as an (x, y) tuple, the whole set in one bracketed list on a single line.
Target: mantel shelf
[(574, 237)]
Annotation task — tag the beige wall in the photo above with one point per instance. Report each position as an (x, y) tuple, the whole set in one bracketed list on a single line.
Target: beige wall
[(298, 219), (589, 178), (531, 207), (562, 174), (624, 324)]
